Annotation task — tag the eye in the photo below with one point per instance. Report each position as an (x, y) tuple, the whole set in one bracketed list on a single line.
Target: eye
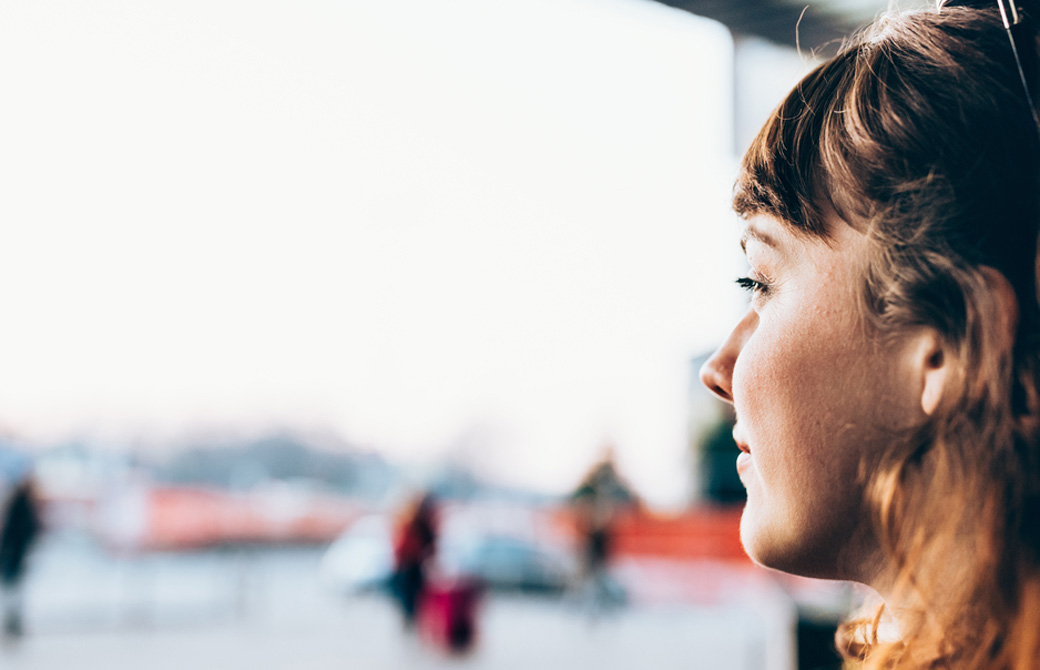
[(753, 286)]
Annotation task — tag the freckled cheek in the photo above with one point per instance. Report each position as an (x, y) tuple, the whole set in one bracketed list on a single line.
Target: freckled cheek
[(776, 398), (765, 376)]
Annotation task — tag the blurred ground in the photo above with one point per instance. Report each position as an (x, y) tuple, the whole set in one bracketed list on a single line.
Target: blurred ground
[(264, 609)]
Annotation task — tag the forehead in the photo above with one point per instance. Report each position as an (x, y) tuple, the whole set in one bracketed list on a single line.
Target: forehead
[(758, 229), (842, 243), (770, 232)]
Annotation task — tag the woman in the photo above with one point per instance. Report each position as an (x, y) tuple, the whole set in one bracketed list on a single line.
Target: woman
[(415, 543), (885, 377)]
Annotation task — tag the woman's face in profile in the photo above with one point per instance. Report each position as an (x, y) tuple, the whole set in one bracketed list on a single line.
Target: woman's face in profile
[(817, 398)]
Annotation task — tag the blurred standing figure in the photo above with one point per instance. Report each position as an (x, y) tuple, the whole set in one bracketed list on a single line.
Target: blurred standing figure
[(415, 542), (20, 529), (596, 502)]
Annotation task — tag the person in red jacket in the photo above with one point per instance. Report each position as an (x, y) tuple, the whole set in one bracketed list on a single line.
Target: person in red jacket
[(415, 543)]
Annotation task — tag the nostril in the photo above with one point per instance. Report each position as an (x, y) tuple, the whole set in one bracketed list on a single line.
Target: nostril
[(714, 380), (721, 392)]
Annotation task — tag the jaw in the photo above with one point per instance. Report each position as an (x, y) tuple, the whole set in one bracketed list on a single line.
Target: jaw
[(847, 549)]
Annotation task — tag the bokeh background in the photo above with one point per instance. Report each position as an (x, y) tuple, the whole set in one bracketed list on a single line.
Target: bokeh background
[(271, 270)]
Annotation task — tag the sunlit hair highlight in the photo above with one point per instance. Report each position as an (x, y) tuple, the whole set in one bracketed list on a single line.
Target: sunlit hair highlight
[(918, 134)]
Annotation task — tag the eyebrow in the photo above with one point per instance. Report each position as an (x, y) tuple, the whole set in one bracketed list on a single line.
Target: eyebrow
[(753, 232)]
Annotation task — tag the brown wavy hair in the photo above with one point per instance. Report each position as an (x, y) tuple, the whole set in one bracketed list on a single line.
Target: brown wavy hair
[(918, 134)]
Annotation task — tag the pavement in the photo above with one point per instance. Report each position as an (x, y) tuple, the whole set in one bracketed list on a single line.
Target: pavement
[(266, 610)]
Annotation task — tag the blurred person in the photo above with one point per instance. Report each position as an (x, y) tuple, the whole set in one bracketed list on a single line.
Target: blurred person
[(596, 502), (21, 527), (886, 376), (415, 543)]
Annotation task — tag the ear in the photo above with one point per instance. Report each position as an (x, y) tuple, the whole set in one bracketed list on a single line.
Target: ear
[(931, 353), (934, 364)]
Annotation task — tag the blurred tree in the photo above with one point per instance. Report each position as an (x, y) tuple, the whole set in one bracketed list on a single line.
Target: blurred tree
[(717, 454)]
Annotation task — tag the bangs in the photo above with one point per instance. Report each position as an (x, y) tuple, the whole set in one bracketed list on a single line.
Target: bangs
[(788, 170), (873, 132)]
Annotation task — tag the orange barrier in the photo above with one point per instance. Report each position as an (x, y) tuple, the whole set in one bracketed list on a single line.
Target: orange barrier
[(185, 518), (706, 532)]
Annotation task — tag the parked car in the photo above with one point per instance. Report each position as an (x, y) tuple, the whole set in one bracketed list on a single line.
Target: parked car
[(503, 562), (361, 559)]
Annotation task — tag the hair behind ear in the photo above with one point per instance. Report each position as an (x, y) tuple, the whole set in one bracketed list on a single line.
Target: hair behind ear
[(993, 316), (1005, 307)]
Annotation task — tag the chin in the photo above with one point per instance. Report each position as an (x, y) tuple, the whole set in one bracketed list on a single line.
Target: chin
[(755, 536), (771, 544)]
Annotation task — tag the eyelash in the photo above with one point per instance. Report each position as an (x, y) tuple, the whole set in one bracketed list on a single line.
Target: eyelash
[(753, 286)]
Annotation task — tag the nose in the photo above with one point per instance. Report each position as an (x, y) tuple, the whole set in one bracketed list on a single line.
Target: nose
[(717, 371)]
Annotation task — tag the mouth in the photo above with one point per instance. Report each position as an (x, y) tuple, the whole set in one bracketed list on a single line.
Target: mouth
[(744, 464), (741, 444)]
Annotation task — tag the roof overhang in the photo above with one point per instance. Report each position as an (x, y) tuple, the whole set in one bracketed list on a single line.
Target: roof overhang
[(819, 27)]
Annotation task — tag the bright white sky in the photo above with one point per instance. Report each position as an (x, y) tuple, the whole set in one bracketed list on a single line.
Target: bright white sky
[(494, 228)]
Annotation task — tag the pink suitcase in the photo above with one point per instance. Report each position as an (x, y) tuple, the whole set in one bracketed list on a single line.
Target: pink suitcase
[(448, 614)]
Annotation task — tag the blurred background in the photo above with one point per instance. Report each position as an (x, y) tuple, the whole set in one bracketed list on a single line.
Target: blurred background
[(366, 334)]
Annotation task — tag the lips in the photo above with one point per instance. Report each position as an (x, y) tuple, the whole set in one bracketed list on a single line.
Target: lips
[(744, 464), (740, 441)]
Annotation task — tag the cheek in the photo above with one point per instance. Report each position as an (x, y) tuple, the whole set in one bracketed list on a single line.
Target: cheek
[(792, 398), (776, 380), (803, 496), (801, 360)]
